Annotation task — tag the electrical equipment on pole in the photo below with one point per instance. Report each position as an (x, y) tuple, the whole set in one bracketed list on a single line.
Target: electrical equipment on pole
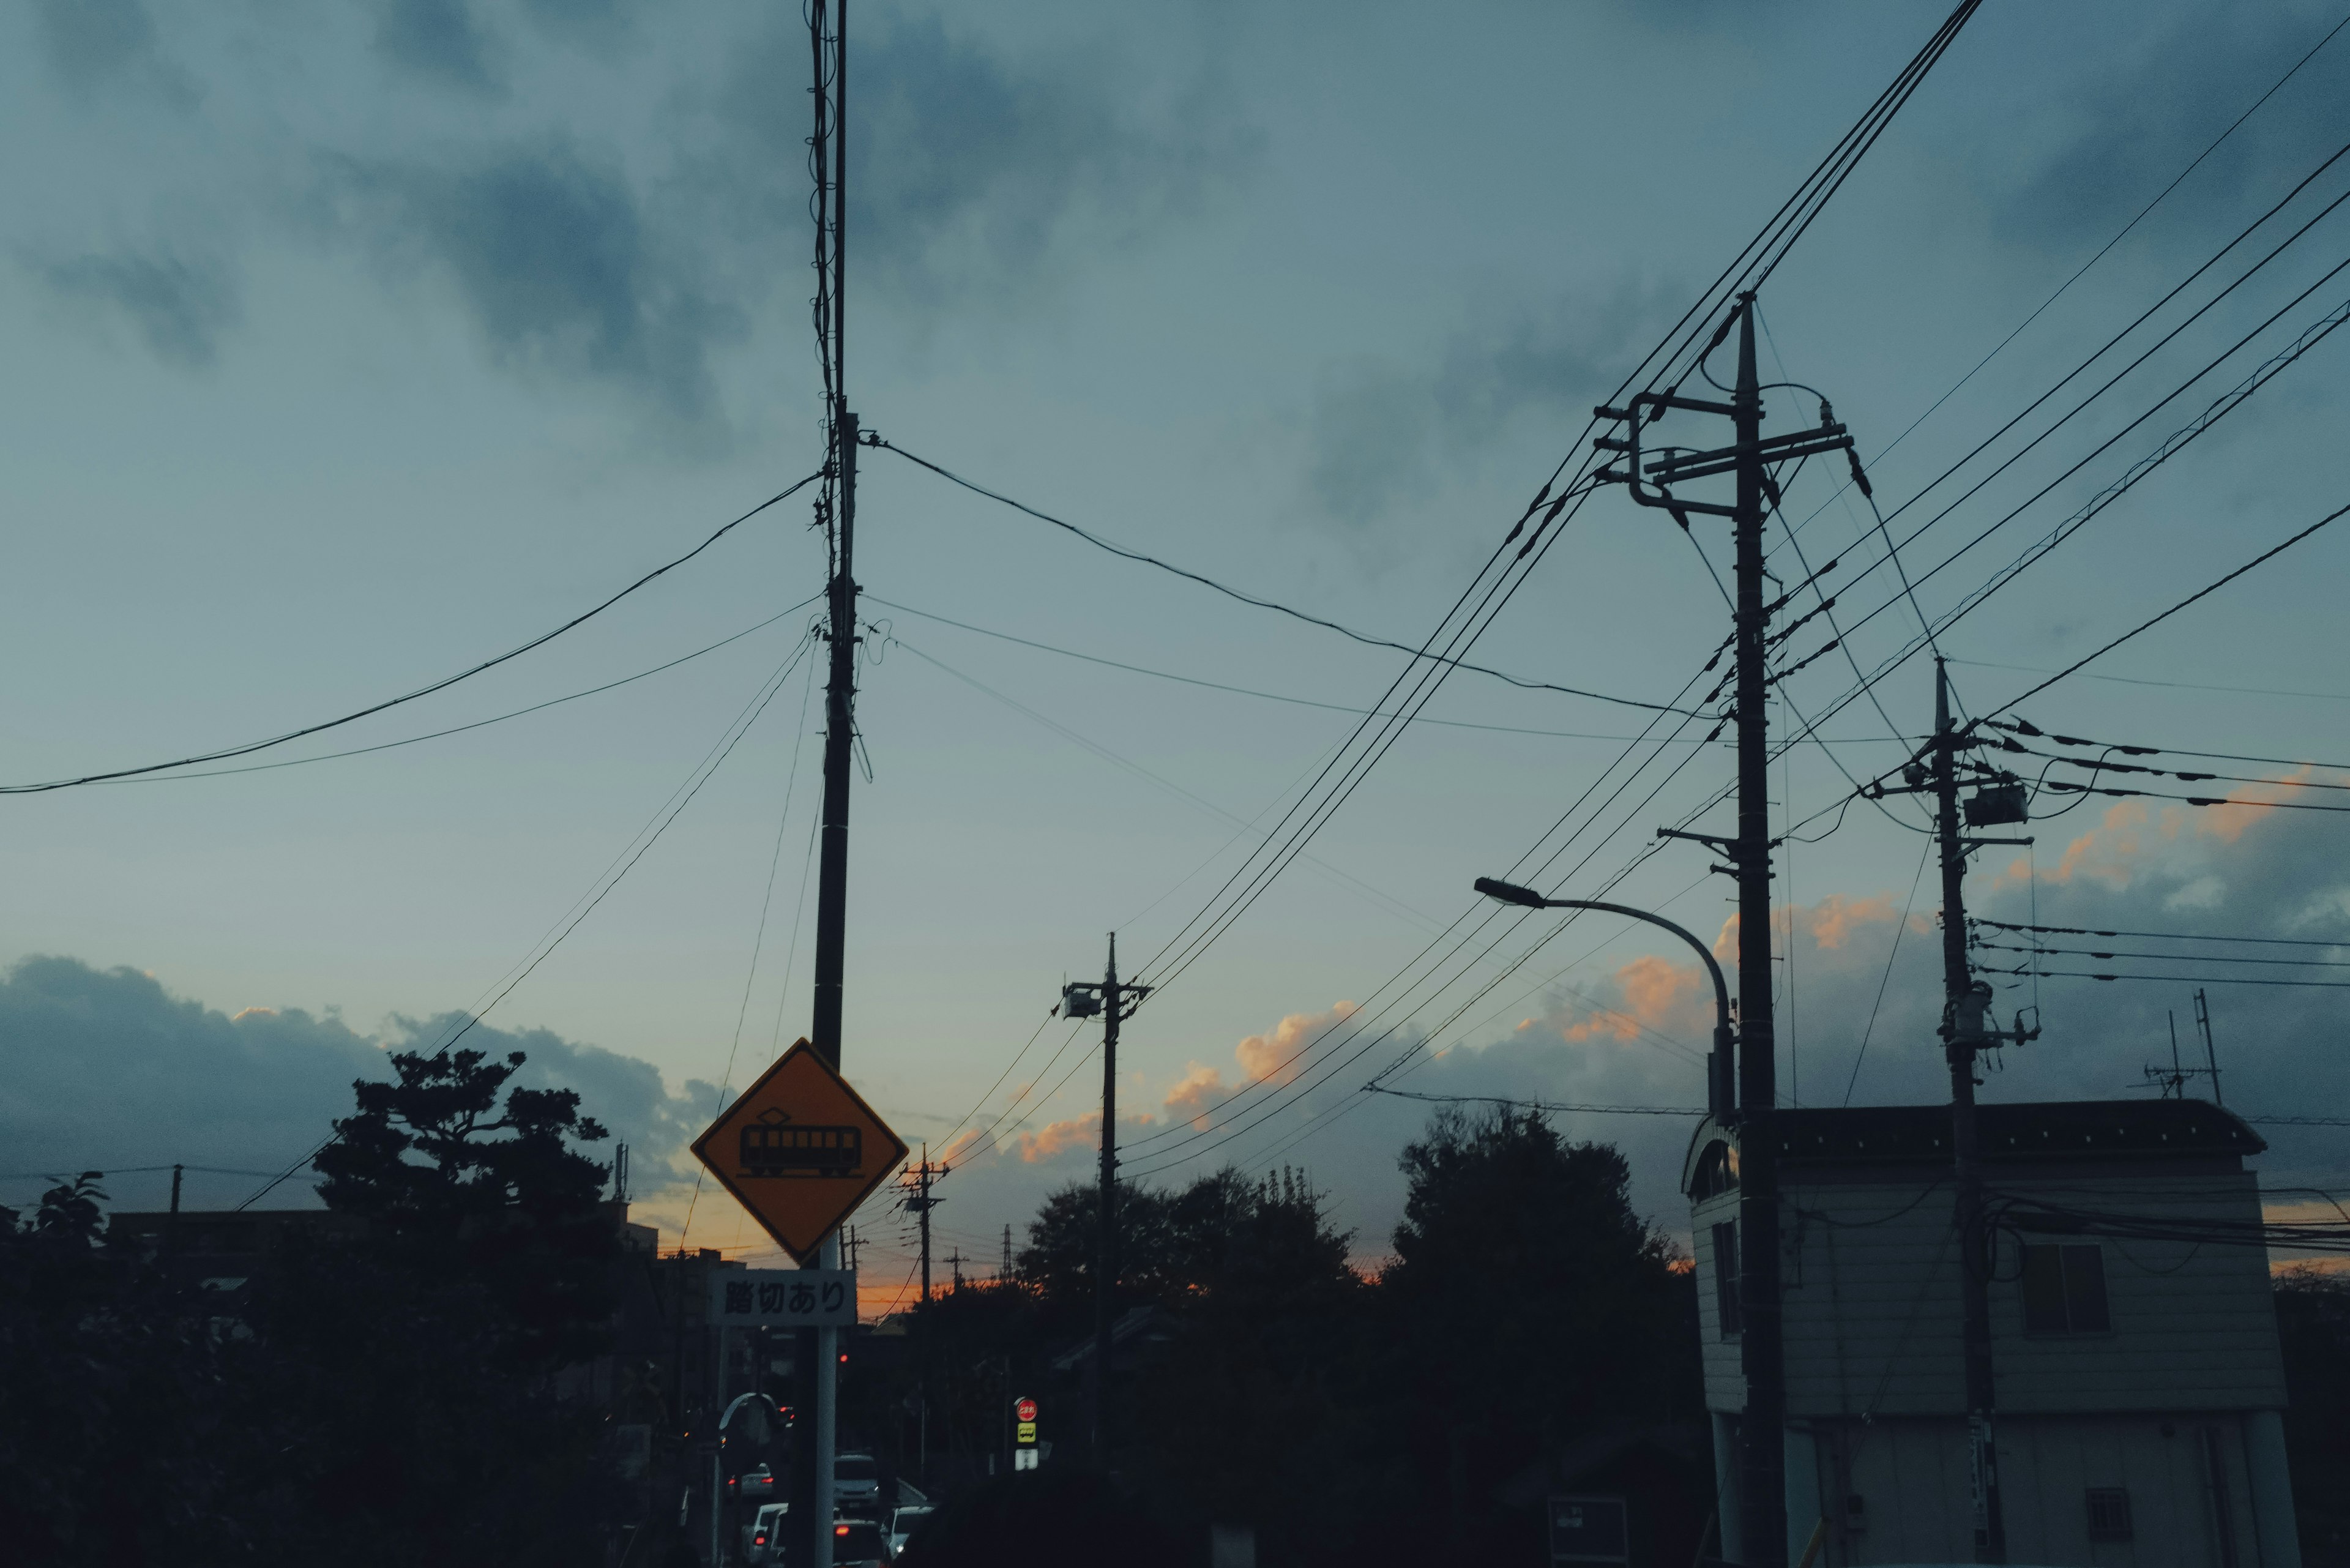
[(1967, 1031), (1762, 1432), (918, 1181), (1114, 1002)]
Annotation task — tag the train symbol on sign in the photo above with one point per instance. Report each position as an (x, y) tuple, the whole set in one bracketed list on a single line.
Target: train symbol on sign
[(772, 1147)]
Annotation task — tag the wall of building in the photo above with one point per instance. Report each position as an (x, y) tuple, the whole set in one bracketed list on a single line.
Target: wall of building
[(1870, 1271), (2186, 1476)]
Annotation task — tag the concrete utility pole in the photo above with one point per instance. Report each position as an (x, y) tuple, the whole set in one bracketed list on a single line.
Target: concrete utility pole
[(920, 1179), (1966, 1031), (818, 1351), (1762, 1467), (1115, 1002), (1763, 1434)]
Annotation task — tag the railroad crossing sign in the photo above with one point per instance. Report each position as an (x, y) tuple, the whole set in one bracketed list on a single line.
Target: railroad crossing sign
[(800, 1151)]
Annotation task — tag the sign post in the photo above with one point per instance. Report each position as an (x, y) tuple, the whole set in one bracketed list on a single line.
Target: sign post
[(799, 1151), (1024, 1434)]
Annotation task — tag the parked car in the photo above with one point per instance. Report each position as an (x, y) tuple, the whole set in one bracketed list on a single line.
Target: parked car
[(904, 1521), (754, 1485), (856, 1484), (763, 1542), (861, 1543)]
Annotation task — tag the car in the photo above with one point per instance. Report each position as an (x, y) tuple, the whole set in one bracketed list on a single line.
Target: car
[(754, 1485), (763, 1541), (861, 1543), (904, 1521), (855, 1484)]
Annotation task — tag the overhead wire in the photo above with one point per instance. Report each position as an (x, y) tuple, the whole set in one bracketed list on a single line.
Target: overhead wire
[(581, 907), (2160, 936), (247, 748), (478, 724)]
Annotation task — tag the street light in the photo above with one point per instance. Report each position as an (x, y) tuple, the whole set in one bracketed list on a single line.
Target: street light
[(1720, 1072)]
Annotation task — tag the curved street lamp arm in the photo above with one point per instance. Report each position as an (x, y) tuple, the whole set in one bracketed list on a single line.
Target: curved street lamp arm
[(1510, 893)]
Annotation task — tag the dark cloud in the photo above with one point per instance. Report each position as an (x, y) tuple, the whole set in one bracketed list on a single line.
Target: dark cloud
[(443, 40), (971, 173), (591, 22), (555, 261), (2138, 866), (103, 1069), (1382, 433), (2144, 112), (91, 42), (179, 305)]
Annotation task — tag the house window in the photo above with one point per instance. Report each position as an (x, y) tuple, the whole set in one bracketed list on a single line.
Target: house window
[(2109, 1513), (1725, 1280), (2065, 1290)]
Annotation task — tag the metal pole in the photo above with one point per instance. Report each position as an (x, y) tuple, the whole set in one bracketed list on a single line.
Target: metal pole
[(1963, 1021), (1106, 1269), (1762, 1431)]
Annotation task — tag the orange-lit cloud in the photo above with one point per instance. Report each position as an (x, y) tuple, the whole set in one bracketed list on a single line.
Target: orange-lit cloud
[(1200, 1087), (1277, 1057), (1056, 1137), (960, 1145), (1830, 923)]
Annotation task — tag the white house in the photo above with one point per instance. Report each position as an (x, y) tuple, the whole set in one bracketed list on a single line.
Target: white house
[(2134, 1335)]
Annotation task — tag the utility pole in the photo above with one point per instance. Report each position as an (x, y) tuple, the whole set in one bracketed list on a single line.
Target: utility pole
[(1964, 1001), (954, 1261), (1007, 1254), (920, 1180), (1762, 1462), (1762, 1441), (816, 1351), (1967, 1031), (1116, 1001), (2210, 1055)]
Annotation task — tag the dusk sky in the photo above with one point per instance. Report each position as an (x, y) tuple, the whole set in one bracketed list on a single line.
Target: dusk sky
[(354, 344)]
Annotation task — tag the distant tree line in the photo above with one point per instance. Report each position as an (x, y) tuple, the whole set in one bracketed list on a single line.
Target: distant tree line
[(381, 1393), (1408, 1414)]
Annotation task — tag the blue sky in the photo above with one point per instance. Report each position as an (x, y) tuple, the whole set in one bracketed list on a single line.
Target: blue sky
[(358, 342)]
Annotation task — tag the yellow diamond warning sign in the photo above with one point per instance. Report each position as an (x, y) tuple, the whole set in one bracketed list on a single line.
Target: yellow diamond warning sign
[(800, 1151)]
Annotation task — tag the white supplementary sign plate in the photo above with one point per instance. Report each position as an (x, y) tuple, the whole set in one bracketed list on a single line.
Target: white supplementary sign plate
[(783, 1298)]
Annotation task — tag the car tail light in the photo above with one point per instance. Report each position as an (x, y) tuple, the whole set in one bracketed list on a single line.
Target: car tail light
[(840, 1529)]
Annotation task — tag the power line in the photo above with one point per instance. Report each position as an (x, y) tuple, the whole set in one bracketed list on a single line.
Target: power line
[(1277, 696), (2119, 234), (2020, 727), (1537, 1104), (479, 724), (646, 837), (2161, 958), (1364, 637), (2203, 800), (441, 685), (2164, 936), (2172, 979), (2170, 685), (2151, 622)]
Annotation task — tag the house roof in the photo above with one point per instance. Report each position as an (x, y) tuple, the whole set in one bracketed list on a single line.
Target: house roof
[(2051, 1129)]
